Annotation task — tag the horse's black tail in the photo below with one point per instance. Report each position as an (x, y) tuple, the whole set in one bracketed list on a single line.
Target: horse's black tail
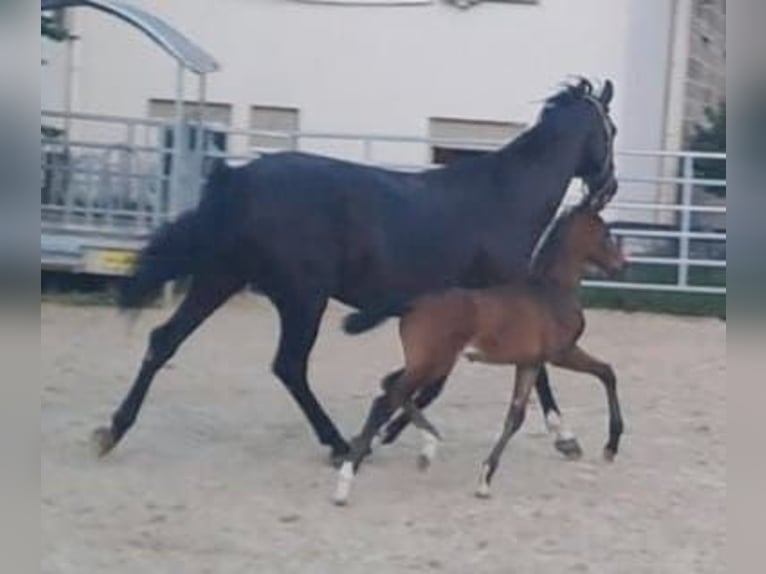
[(168, 256), (180, 246)]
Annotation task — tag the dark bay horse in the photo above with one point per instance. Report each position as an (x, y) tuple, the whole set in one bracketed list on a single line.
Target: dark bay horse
[(303, 229), (526, 323)]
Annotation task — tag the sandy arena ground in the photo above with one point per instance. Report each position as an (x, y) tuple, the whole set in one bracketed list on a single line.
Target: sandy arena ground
[(222, 475)]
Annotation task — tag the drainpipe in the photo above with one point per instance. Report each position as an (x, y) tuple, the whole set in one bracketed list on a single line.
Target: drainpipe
[(669, 65)]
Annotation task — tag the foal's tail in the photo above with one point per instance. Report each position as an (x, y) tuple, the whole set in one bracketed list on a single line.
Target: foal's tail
[(358, 322), (179, 247)]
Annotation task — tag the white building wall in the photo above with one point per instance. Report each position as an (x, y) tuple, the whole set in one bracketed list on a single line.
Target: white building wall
[(383, 69), (388, 69)]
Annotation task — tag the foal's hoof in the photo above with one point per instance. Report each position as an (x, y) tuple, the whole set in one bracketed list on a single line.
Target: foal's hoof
[(609, 454), (482, 492), (103, 441), (482, 489), (336, 458), (569, 447)]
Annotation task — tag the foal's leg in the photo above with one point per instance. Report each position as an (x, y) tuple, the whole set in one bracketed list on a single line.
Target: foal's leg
[(578, 360), (205, 295), (431, 436), (566, 442), (422, 399), (300, 319), (525, 379), (395, 394)]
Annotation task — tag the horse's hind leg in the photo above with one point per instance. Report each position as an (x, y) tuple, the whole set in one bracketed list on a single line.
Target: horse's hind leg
[(525, 378), (300, 319), (205, 295), (565, 442), (578, 360)]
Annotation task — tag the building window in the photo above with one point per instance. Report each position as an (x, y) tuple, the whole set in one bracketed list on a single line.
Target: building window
[(212, 139), (282, 121), (460, 138), (216, 118), (212, 112)]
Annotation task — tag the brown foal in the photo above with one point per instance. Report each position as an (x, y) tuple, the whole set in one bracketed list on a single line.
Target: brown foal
[(526, 323)]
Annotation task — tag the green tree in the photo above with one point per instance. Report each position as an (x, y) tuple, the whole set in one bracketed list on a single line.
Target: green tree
[(711, 138)]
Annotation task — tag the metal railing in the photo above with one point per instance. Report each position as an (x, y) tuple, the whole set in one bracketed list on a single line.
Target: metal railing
[(113, 176)]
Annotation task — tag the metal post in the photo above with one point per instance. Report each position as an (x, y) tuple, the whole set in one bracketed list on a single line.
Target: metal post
[(686, 204), (175, 173), (201, 152)]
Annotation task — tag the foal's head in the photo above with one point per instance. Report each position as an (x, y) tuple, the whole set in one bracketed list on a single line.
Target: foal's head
[(578, 238), (589, 241)]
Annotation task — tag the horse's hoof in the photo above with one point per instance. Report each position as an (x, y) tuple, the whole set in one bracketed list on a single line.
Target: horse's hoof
[(609, 454), (103, 441), (424, 462), (569, 447)]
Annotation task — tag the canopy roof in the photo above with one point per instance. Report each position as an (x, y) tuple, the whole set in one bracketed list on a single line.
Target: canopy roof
[(186, 52)]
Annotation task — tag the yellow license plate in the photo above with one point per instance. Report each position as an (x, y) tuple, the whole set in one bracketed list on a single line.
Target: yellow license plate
[(110, 261)]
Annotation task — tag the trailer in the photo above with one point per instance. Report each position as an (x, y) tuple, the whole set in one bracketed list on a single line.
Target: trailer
[(107, 182)]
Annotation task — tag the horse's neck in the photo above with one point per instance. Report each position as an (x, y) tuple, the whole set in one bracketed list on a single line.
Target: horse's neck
[(551, 150), (535, 171)]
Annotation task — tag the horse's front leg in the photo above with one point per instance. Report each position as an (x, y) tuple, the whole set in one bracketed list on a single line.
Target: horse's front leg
[(300, 319)]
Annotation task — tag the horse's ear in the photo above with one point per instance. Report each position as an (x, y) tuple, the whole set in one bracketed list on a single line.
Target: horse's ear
[(607, 93)]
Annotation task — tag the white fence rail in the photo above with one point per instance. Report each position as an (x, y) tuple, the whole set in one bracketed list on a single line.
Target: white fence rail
[(115, 177)]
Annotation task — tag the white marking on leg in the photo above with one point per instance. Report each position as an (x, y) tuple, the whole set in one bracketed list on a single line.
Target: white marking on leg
[(482, 491), (430, 446), (555, 425), (345, 479)]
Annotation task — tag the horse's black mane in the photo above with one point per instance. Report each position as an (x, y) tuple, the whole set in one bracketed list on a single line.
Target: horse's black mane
[(570, 93), (534, 141)]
